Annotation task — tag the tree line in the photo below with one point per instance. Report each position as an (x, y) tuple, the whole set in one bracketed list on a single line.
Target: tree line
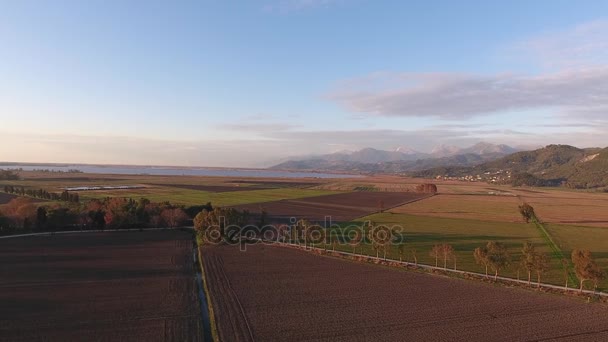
[(65, 196), (22, 215), (8, 175)]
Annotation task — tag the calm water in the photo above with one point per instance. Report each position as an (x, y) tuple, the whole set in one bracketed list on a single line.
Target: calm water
[(175, 171)]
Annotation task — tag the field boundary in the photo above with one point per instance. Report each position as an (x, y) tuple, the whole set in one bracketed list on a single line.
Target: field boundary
[(89, 231), (205, 289), (396, 206), (434, 268), (557, 252)]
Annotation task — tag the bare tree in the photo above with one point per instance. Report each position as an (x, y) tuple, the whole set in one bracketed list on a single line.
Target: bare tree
[(355, 241), (447, 251), (566, 266), (401, 249), (415, 256), (481, 257), (528, 259), (435, 253), (541, 265), (498, 257)]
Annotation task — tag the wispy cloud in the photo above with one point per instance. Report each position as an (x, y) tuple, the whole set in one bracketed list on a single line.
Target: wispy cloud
[(287, 6), (583, 45), (573, 84), (456, 96)]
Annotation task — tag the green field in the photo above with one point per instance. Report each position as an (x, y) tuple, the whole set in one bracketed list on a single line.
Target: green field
[(196, 197), (422, 232)]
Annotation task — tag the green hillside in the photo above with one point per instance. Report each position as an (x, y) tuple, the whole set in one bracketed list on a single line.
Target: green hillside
[(553, 165)]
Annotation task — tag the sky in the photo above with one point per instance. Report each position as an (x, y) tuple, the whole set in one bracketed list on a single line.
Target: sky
[(249, 83)]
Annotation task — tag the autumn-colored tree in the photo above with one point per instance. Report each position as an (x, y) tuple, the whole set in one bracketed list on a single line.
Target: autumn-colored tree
[(174, 217), (585, 267), (120, 213), (21, 212)]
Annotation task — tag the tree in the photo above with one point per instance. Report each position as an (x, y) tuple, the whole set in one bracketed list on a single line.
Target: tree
[(481, 257), (528, 259), (585, 267), (355, 241), (435, 253), (565, 267), (174, 217), (498, 257), (447, 251), (415, 256), (541, 265), (41, 217), (527, 212), (401, 249)]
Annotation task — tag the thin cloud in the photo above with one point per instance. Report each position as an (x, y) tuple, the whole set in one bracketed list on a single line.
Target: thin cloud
[(574, 84), (456, 97), (581, 46), (287, 6)]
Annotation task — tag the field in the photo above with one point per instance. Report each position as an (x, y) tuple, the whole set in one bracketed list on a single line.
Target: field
[(463, 214), (257, 296), (5, 198), (186, 190), (127, 286), (422, 232), (476, 207), (340, 207)]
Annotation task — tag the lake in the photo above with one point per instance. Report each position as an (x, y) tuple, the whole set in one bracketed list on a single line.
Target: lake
[(177, 171)]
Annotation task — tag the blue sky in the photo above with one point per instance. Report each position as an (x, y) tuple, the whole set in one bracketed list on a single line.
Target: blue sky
[(246, 83)]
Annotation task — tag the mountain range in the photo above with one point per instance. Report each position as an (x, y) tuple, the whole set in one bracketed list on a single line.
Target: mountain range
[(399, 160)]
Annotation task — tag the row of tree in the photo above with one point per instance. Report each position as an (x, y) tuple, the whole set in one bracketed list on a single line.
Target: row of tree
[(8, 175), (65, 196), (22, 215)]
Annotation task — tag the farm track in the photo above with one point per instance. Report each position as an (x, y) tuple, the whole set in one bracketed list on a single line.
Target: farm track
[(288, 294), (127, 286)]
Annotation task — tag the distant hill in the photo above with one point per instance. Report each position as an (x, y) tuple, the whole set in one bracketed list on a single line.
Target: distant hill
[(553, 165), (402, 160)]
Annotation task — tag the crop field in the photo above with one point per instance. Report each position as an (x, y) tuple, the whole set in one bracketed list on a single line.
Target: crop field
[(257, 296), (476, 207), (5, 198), (339, 206), (422, 232), (595, 239), (127, 286), (570, 207)]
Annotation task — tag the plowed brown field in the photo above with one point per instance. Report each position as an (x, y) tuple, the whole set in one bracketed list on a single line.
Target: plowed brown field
[(5, 198), (115, 286), (341, 206), (273, 293)]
